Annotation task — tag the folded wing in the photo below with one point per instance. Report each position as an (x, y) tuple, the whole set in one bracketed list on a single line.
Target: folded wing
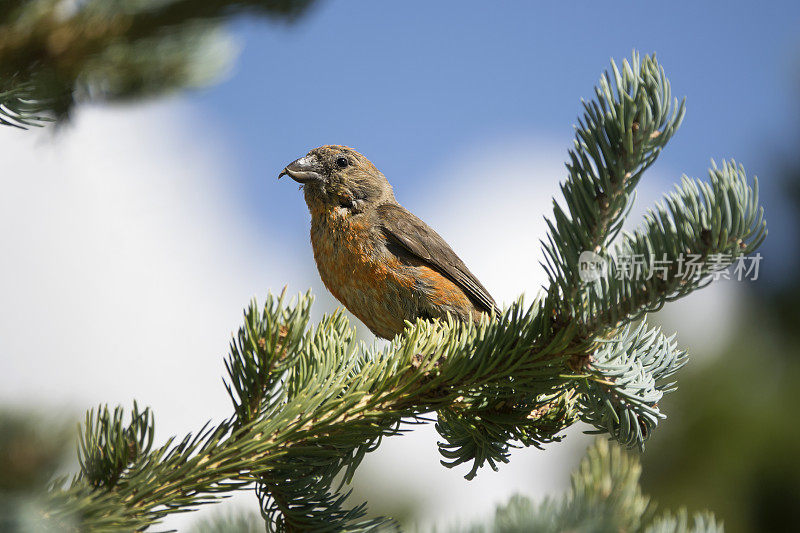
[(418, 239)]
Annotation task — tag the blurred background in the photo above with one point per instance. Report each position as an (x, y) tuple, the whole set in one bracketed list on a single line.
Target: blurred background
[(133, 234)]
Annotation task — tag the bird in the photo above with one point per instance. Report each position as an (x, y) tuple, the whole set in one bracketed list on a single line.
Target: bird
[(385, 265)]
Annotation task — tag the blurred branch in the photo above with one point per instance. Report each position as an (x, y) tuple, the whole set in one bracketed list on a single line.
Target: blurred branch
[(242, 522), (605, 496), (54, 54), (33, 447)]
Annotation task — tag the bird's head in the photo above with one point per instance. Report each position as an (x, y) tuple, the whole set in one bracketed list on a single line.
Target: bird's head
[(338, 177)]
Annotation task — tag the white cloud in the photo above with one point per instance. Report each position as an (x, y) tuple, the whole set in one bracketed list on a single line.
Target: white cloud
[(126, 262)]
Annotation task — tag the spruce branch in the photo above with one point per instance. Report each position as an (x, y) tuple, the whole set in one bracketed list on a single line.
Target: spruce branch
[(341, 404), (620, 135), (488, 435), (107, 447), (719, 219), (309, 401), (21, 107), (624, 382)]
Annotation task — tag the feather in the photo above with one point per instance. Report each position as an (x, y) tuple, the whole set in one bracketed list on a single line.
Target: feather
[(418, 239)]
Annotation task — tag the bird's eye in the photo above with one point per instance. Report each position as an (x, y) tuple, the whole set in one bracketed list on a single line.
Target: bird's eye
[(342, 162)]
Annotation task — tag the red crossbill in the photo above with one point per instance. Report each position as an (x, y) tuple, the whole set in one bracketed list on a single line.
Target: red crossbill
[(382, 262)]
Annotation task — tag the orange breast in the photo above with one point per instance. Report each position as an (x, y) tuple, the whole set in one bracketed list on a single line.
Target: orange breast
[(382, 290), (355, 267)]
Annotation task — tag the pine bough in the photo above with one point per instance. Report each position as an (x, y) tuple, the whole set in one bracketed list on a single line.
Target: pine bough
[(309, 401)]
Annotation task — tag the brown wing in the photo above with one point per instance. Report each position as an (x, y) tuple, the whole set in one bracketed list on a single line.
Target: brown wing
[(417, 238)]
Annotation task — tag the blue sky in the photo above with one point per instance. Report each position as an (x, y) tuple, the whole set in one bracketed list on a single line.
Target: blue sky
[(411, 84)]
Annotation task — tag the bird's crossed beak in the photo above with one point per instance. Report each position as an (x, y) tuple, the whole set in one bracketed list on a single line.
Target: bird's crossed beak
[(304, 170)]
